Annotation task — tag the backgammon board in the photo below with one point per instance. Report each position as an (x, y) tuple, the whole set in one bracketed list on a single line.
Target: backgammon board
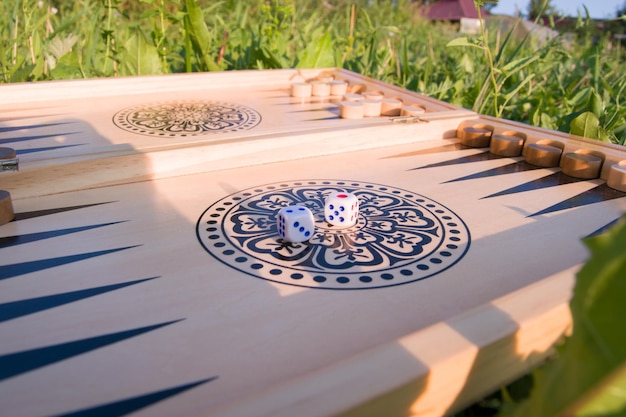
[(143, 274)]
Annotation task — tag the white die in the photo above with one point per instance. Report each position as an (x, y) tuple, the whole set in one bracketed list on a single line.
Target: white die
[(341, 209), (295, 224)]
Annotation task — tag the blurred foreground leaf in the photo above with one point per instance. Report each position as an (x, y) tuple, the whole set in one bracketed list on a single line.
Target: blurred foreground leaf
[(589, 359), (608, 400)]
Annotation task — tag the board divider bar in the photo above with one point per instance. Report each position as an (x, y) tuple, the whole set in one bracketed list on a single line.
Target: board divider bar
[(129, 165)]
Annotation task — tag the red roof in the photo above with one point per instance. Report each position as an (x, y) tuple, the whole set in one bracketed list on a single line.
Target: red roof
[(451, 10)]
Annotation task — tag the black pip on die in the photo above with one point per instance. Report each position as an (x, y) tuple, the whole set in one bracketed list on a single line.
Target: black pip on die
[(341, 209), (295, 224)]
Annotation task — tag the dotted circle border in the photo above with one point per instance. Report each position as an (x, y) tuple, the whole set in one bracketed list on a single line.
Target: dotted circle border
[(120, 119), (453, 246)]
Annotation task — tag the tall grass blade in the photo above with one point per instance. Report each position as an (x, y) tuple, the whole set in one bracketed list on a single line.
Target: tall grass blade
[(199, 36)]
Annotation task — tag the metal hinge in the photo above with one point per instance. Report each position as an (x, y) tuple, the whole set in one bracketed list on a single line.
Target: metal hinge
[(12, 164), (408, 119)]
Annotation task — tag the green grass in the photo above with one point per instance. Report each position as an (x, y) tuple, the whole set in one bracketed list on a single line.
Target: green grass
[(575, 86)]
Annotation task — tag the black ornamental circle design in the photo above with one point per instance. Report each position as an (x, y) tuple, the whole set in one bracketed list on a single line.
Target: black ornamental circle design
[(399, 237), (186, 118)]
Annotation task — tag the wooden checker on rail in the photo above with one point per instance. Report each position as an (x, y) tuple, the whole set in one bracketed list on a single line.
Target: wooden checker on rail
[(144, 272)]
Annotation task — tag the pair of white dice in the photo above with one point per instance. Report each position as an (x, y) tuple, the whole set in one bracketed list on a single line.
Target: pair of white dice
[(297, 224)]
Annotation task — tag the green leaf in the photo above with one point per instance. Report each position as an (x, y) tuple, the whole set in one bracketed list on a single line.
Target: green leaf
[(597, 346), (464, 42), (267, 59), (61, 46), (139, 56), (578, 98), (67, 67), (508, 96), (149, 14), (38, 70), (21, 72), (518, 64), (586, 125), (199, 35), (566, 121), (467, 64), (608, 400), (595, 104), (318, 53), (58, 47), (600, 291)]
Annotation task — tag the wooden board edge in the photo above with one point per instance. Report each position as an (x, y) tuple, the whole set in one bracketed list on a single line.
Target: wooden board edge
[(37, 92), (467, 355)]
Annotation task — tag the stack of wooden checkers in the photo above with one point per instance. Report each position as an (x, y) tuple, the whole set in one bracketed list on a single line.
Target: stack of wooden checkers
[(355, 100), (581, 163)]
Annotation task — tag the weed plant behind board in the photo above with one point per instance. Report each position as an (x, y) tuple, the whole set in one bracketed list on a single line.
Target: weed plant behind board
[(574, 87)]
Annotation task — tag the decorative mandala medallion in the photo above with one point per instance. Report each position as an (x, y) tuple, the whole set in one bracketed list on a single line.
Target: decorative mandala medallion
[(186, 118), (399, 237)]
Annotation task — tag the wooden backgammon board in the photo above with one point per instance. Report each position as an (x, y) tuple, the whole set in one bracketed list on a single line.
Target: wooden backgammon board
[(141, 271)]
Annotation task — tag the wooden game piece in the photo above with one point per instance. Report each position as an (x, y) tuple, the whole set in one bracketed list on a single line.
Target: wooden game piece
[(352, 109), (338, 87), (373, 95), (371, 107), (391, 107), (412, 110), (7, 153), (375, 92), (301, 90), (617, 176), (543, 155), (581, 165), (325, 78), (507, 144), (357, 88), (320, 88), (353, 97), (477, 136), (6, 207), (8, 160)]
